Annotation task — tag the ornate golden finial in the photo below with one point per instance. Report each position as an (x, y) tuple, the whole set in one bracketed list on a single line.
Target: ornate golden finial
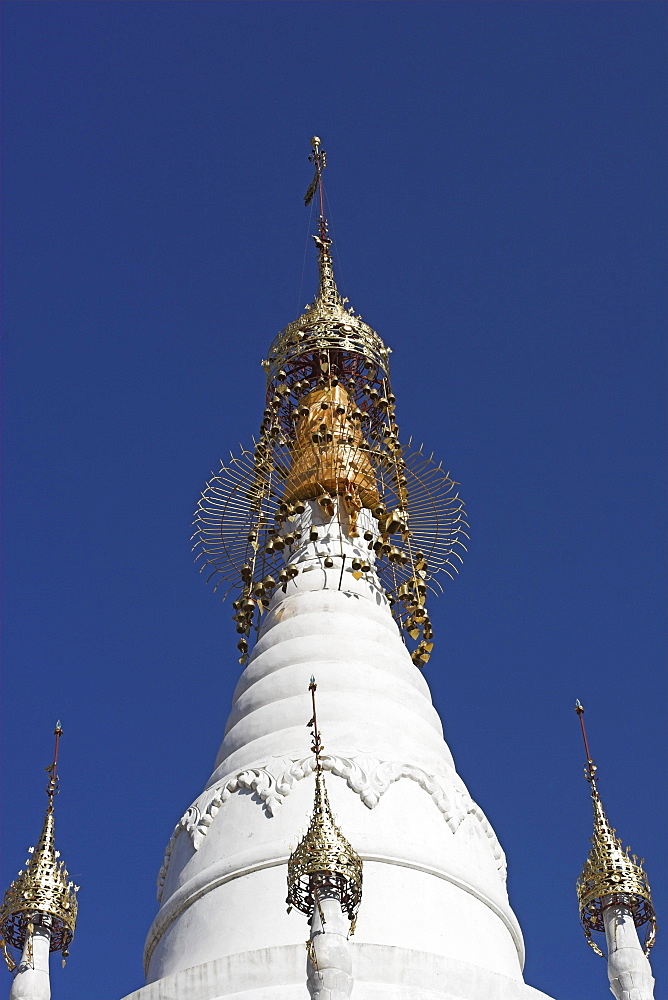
[(323, 863), (610, 875), (42, 889), (328, 293), (330, 435), (328, 323)]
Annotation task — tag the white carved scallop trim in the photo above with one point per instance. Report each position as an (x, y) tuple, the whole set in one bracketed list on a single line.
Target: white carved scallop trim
[(366, 775)]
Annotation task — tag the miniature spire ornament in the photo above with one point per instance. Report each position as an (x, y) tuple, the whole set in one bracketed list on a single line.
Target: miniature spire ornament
[(325, 883), (39, 911), (330, 434), (615, 899)]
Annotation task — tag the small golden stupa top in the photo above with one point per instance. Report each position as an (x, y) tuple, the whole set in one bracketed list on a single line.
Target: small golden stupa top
[(328, 323), (43, 887), (611, 875), (323, 863)]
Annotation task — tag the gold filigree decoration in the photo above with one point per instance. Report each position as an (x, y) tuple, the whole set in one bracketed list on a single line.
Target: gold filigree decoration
[(327, 324), (43, 888), (323, 863), (611, 874), (330, 434)]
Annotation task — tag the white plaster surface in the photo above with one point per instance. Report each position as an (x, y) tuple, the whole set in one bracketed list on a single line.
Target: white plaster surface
[(435, 919), (329, 963), (31, 981), (378, 971), (629, 970)]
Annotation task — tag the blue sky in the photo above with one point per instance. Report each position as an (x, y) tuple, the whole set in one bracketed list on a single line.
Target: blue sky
[(496, 183)]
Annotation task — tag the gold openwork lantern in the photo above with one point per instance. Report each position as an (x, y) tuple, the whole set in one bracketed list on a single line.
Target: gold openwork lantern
[(323, 863), (611, 874), (42, 893)]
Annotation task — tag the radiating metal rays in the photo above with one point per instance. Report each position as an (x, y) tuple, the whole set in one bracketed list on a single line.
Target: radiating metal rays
[(237, 503), (233, 517), (246, 526), (436, 520)]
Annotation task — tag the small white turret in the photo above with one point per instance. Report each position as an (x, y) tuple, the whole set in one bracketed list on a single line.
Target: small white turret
[(333, 533)]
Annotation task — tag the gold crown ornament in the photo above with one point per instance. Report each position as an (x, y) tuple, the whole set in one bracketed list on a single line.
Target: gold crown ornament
[(324, 862), (42, 893), (611, 874)]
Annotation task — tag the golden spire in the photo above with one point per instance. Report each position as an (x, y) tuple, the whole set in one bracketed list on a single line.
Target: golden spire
[(324, 415), (329, 435), (328, 293), (328, 324), (42, 888), (611, 875), (323, 862)]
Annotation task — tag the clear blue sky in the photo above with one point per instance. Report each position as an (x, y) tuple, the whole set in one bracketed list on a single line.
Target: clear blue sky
[(497, 187)]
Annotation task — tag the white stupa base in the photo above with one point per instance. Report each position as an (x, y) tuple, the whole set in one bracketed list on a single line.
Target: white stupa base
[(379, 971), (435, 922)]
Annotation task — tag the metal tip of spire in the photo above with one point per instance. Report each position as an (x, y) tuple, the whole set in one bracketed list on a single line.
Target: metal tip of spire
[(318, 157), (328, 293), (316, 745), (590, 769), (52, 788)]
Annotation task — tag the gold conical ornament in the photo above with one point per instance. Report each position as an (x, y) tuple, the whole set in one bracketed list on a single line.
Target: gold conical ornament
[(43, 888), (330, 433), (611, 874), (323, 863)]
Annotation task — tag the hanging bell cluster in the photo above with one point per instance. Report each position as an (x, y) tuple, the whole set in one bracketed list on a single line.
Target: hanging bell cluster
[(330, 434)]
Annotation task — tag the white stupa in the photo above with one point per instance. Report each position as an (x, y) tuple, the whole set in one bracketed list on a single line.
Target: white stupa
[(350, 512), (334, 534)]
